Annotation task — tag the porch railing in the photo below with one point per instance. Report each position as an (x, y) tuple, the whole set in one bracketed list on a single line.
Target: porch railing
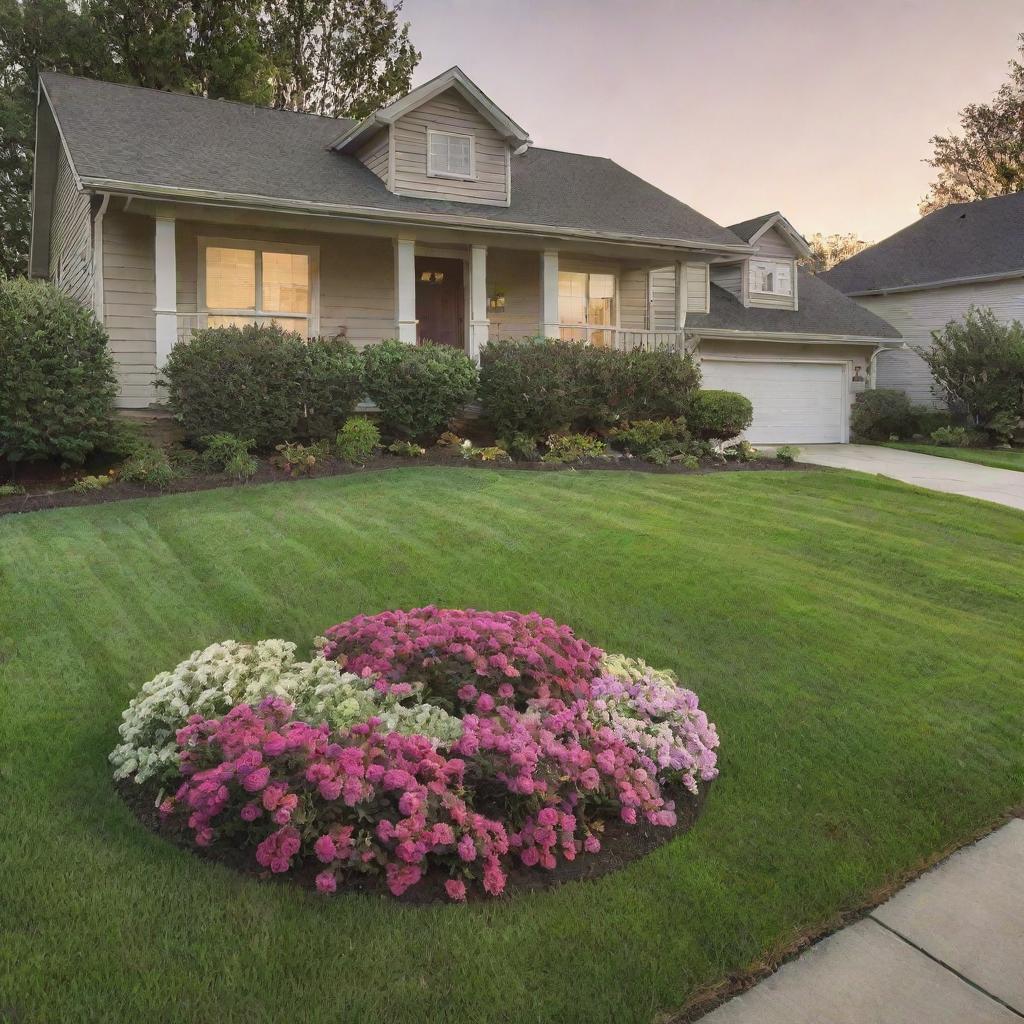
[(625, 339)]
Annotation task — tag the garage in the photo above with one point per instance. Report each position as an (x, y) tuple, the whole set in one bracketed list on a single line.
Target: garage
[(795, 401)]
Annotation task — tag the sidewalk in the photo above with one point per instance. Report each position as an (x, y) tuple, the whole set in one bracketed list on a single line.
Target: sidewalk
[(947, 949)]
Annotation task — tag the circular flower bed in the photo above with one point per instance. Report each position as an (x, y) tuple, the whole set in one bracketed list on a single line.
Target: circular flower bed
[(430, 748)]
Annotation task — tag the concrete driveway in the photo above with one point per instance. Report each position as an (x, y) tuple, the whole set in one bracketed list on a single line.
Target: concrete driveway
[(1002, 486)]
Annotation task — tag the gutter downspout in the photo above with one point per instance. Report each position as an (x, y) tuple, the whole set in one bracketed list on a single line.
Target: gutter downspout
[(97, 258)]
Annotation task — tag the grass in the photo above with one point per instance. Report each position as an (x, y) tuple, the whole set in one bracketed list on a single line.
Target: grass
[(858, 643), (997, 458)]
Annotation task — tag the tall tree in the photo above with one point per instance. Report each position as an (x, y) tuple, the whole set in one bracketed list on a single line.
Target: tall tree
[(341, 58), (828, 250), (987, 158)]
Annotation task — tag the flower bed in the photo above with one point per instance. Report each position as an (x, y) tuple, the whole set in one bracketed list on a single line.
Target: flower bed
[(430, 750)]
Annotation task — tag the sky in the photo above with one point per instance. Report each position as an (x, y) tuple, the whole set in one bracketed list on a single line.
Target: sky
[(819, 108)]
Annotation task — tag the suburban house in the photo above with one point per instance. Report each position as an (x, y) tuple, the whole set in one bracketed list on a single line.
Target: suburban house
[(932, 272), (434, 218)]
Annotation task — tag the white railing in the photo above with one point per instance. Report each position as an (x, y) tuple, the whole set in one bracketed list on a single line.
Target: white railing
[(187, 323), (624, 339)]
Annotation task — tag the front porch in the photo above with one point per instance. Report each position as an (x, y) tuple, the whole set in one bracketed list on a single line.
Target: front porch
[(321, 278)]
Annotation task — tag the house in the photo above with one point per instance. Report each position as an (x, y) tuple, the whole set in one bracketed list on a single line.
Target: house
[(434, 218), (932, 272)]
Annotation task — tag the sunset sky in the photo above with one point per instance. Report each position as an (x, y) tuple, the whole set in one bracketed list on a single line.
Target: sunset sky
[(820, 108)]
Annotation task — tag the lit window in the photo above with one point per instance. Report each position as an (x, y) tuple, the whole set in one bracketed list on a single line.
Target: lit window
[(450, 155), (770, 277), (247, 285), (586, 299)]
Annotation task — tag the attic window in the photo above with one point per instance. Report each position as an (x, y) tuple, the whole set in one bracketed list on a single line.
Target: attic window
[(771, 277), (450, 155)]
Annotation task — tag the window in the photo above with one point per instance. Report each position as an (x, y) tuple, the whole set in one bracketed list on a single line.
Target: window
[(247, 284), (770, 277), (450, 155), (586, 299)]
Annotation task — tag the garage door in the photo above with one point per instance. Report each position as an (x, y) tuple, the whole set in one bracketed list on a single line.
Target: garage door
[(794, 403)]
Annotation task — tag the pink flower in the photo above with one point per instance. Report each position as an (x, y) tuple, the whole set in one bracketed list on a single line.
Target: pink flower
[(547, 816), (467, 848), (256, 780), (250, 812), (592, 844), (326, 882), (456, 890)]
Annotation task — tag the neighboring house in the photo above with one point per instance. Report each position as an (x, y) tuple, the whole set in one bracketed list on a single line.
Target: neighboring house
[(434, 218), (932, 272)]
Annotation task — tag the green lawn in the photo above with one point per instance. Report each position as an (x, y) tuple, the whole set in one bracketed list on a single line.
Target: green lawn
[(858, 643), (982, 456)]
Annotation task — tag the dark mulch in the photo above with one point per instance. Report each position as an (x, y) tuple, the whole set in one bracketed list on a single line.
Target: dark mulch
[(41, 482), (620, 845)]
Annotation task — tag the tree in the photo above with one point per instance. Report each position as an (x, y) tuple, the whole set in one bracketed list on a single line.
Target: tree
[(341, 58), (978, 363), (987, 158), (828, 250)]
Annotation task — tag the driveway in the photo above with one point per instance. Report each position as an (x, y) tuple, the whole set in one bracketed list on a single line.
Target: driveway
[(1002, 486)]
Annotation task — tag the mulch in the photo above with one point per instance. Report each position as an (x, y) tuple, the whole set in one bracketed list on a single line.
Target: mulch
[(44, 483), (621, 844)]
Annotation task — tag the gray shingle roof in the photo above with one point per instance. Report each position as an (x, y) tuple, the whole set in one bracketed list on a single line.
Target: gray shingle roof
[(147, 137), (822, 311), (746, 229), (980, 239)]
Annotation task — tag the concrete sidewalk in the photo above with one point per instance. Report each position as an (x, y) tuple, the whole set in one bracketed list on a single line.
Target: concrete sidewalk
[(1003, 486), (947, 949)]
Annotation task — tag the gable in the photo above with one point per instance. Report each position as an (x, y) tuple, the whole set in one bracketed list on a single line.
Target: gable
[(450, 113), (774, 243)]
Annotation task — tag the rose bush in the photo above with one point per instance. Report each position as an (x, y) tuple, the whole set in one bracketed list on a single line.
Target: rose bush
[(447, 742)]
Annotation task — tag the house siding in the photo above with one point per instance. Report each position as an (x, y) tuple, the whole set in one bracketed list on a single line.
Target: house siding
[(663, 294), (71, 266), (450, 112), (773, 244), (376, 153), (916, 314), (730, 277)]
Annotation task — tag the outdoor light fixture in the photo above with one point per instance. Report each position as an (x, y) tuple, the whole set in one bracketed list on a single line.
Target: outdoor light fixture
[(432, 276), (496, 303), (858, 377)]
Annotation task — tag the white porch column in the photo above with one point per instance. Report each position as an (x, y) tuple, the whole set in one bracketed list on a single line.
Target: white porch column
[(679, 321), (166, 308), (405, 290), (479, 324), (549, 294)]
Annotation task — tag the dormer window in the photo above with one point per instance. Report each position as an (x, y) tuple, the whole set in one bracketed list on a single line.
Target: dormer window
[(771, 277), (450, 155)]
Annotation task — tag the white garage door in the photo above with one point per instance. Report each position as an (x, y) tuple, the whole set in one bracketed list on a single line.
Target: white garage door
[(794, 403)]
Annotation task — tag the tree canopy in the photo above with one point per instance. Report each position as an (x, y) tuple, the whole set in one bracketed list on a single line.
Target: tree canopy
[(332, 57), (829, 250), (986, 158)]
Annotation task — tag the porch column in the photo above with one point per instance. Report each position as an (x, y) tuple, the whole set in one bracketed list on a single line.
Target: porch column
[(549, 294), (166, 308), (479, 324), (679, 320), (405, 290)]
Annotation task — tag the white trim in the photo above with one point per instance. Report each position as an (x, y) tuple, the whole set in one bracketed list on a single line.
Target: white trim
[(773, 261), (370, 213), (720, 333), (949, 282), (796, 240), (682, 296), (549, 318), (259, 246), (844, 420), (165, 269), (98, 297), (405, 290), (479, 324), (431, 173)]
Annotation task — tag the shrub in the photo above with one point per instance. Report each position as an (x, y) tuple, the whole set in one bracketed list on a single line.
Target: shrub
[(642, 437), (149, 466), (225, 453), (454, 741), (57, 383), (574, 448), (297, 459), (418, 388), (924, 420), (951, 437), (520, 446), (449, 439), (881, 414), (89, 484), (492, 453), (788, 454), (718, 414), (407, 449), (262, 382), (978, 365), (357, 440), (11, 490), (536, 386)]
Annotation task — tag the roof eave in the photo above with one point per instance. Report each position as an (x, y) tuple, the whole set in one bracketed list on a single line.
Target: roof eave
[(823, 337), (269, 203), (796, 240), (949, 282)]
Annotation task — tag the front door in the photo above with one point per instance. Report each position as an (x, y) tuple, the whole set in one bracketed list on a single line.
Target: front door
[(440, 301)]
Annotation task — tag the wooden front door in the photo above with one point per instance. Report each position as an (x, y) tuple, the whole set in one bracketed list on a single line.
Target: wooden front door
[(440, 301)]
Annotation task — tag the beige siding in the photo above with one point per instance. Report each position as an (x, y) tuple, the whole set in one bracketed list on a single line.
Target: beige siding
[(633, 299), (450, 112), (774, 244), (129, 295), (374, 154), (71, 237), (517, 275), (663, 294), (729, 277), (696, 287), (916, 314)]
